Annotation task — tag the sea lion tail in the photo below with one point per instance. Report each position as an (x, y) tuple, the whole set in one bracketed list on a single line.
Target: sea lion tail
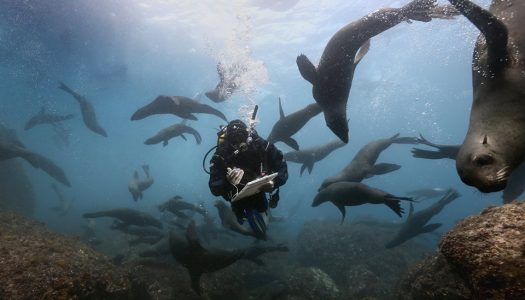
[(419, 10)]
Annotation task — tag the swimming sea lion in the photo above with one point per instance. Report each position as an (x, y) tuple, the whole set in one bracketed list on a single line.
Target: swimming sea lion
[(495, 142), (289, 125), (415, 223), (364, 163), (127, 216), (46, 118), (176, 204), (229, 220), (11, 147), (227, 82), (188, 251), (180, 106), (332, 79), (88, 112), (173, 131), (137, 186), (346, 193), (308, 157)]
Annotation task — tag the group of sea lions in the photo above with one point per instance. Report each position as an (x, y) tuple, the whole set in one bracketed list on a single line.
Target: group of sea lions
[(495, 142), (490, 157)]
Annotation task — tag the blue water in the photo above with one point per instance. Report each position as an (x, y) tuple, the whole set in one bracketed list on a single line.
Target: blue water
[(415, 79)]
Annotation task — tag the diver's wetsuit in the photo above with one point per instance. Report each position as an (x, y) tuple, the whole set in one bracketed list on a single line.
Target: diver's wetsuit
[(260, 155)]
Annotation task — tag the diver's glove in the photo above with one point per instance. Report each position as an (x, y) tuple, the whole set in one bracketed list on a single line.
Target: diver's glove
[(234, 175), (267, 187)]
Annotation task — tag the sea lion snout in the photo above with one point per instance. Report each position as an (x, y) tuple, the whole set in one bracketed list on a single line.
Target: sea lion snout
[(482, 170)]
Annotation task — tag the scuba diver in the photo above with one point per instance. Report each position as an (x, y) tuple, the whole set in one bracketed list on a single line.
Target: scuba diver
[(241, 157)]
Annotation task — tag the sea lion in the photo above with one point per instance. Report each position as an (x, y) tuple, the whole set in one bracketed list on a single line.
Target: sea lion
[(346, 193), (229, 220), (88, 112), (137, 186), (173, 131), (11, 147), (188, 251), (180, 106), (228, 82), (332, 79), (287, 126), (308, 157), (495, 142), (176, 204), (42, 117), (415, 223), (136, 230), (127, 216), (363, 165)]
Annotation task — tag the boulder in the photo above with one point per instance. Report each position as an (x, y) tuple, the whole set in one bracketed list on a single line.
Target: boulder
[(36, 263)]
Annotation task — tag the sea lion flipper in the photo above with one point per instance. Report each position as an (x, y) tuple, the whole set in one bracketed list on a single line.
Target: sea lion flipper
[(419, 10), (183, 137), (303, 167), (189, 116), (495, 32), (383, 168), (430, 227), (292, 143), (281, 112), (362, 52), (411, 211), (136, 175), (165, 143), (307, 69), (428, 154), (342, 209)]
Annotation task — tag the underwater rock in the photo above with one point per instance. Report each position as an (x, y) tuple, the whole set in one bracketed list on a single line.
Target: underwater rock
[(353, 254), (311, 284), (488, 252), (36, 263), (433, 279)]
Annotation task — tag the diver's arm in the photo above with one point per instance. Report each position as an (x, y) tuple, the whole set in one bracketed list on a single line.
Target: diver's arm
[(219, 185), (276, 163)]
